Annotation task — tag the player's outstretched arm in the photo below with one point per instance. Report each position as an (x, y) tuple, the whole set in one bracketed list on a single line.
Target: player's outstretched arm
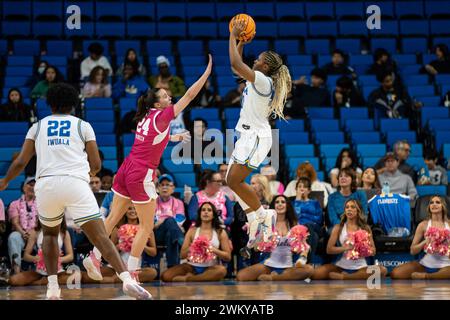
[(192, 92), (95, 163), (237, 64), (19, 164)]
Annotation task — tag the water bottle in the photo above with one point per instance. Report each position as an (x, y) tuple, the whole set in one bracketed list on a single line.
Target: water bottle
[(163, 264), (386, 189)]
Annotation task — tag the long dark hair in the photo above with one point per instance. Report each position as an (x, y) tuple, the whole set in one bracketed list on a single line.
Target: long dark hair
[(58, 75), (352, 156), (62, 97), (444, 49), (206, 176), (290, 212), (444, 207), (93, 74), (145, 103), (216, 223), (361, 221), (18, 107), (376, 184), (134, 63)]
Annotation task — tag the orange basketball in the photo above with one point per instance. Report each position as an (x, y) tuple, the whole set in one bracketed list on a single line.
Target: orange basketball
[(250, 26)]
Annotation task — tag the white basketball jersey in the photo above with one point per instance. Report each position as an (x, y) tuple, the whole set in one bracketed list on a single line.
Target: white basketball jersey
[(255, 102), (60, 146)]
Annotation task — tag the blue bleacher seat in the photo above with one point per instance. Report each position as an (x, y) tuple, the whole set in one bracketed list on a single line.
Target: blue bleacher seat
[(436, 8), (287, 47), (353, 113), (103, 127), (26, 47), (431, 190), (329, 137), (16, 183), (409, 9), (414, 28), (182, 179), (394, 136), (86, 32), (324, 125), (225, 11), (288, 11), (300, 60), (110, 29), (408, 70), (6, 153), (170, 11), (57, 61), (444, 40), (47, 29), (108, 10), (430, 101), (9, 196), (417, 80), (11, 82), (371, 150), (416, 162), (299, 150), (140, 10), (292, 29), (267, 29), (319, 10), (256, 47), (16, 28), (350, 10), (206, 114), (420, 91), (300, 71), (320, 46), (100, 115), (353, 28), (232, 113), (172, 29), (439, 124), (320, 112), (121, 47), (413, 45), (370, 161), (365, 137), (331, 150), (294, 137), (110, 153), (201, 11), (359, 125), (446, 150), (177, 167), (13, 128), (440, 27), (3, 46), (386, 8), (98, 103), (368, 80), (106, 140), (202, 30), (389, 28), (405, 59), (59, 48), (111, 164), (443, 78), (218, 47), (349, 45), (295, 162), (127, 103), (16, 71), (322, 28), (141, 29), (442, 137), (290, 125), (190, 47), (361, 59), (388, 125), (387, 43), (12, 140), (16, 9)]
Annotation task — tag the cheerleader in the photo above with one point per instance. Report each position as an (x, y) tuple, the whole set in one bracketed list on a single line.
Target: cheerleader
[(431, 266), (346, 269), (208, 224), (282, 264)]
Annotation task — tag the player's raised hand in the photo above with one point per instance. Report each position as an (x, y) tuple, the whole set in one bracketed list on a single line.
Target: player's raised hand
[(3, 184), (247, 41), (209, 67), (238, 28)]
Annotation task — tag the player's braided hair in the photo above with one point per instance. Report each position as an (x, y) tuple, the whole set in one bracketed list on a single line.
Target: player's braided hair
[(281, 81), (145, 102), (62, 98)]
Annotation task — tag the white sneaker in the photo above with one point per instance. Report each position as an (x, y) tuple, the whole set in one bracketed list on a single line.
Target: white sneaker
[(92, 266), (268, 225), (133, 289), (53, 293), (253, 229)]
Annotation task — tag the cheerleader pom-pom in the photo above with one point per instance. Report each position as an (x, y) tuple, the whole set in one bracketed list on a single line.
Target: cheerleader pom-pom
[(268, 246), (200, 251), (362, 248), (438, 241), (40, 264), (126, 234), (297, 239)]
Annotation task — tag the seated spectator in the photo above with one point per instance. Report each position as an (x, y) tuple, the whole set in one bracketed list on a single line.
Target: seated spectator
[(353, 219), (198, 130), (95, 184), (97, 86), (15, 109), (173, 84), (432, 174), (383, 63), (346, 190), (38, 74), (338, 65), (169, 219), (52, 76), (346, 94), (309, 212), (281, 264), (402, 150), (233, 97), (370, 183), (430, 266), (95, 59), (2, 223), (210, 191), (304, 95), (23, 215), (39, 275), (398, 182), (104, 171), (306, 169), (130, 85), (208, 224), (106, 183), (345, 159), (442, 63), (446, 100), (223, 169), (388, 100), (132, 58), (105, 208), (276, 187), (206, 97)]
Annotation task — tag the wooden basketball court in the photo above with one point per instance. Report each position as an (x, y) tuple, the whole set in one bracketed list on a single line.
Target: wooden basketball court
[(231, 290)]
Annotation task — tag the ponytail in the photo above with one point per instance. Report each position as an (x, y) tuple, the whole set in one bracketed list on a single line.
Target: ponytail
[(281, 80), (144, 103)]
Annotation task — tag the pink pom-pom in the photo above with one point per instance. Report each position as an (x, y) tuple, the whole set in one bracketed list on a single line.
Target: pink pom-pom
[(438, 241), (362, 248), (297, 239), (126, 234), (270, 245), (40, 264), (200, 251)]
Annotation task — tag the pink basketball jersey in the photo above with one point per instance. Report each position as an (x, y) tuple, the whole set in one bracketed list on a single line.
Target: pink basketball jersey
[(152, 136)]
